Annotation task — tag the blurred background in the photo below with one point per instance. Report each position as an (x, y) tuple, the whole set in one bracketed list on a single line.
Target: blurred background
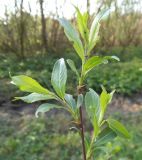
[(31, 40)]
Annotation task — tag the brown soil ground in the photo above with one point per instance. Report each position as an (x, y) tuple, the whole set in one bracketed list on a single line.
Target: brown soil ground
[(119, 104)]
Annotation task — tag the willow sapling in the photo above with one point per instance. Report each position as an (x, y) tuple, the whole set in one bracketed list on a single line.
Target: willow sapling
[(84, 40)]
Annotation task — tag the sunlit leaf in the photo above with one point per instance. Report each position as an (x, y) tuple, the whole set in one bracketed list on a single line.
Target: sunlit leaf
[(112, 57), (93, 40), (33, 97), (105, 99), (94, 30), (82, 20), (28, 84), (95, 125), (97, 60)]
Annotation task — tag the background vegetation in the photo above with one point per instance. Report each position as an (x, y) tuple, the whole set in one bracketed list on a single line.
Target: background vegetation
[(30, 44)]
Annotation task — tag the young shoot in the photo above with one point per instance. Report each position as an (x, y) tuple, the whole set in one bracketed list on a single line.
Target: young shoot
[(83, 39)]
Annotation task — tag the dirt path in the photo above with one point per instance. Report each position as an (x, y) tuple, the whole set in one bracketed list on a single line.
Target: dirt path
[(131, 104), (119, 104)]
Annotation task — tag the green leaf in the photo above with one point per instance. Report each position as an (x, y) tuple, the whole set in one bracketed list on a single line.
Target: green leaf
[(92, 62), (115, 57), (95, 125), (28, 84), (87, 142), (94, 30), (100, 150), (112, 57), (105, 136), (46, 107), (92, 103), (73, 36), (95, 61), (73, 67), (59, 77), (93, 40), (105, 99), (71, 101), (34, 97), (118, 128), (82, 20), (79, 100)]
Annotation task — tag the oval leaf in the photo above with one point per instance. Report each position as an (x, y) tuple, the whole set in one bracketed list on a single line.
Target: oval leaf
[(92, 104), (94, 30), (118, 128), (93, 40), (112, 57), (105, 136), (105, 99), (34, 97), (46, 107), (97, 60), (59, 77), (73, 36), (71, 101), (72, 66), (92, 62), (28, 84), (82, 20)]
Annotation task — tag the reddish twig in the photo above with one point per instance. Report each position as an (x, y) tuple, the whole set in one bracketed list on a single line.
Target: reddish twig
[(82, 134)]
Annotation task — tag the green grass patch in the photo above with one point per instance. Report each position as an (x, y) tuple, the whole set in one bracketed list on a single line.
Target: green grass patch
[(125, 77), (29, 138)]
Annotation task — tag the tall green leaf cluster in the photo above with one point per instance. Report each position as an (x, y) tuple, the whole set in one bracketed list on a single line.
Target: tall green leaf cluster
[(83, 39)]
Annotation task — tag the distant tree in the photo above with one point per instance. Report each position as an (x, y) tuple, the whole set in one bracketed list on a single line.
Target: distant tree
[(123, 25), (22, 30), (88, 6), (43, 22)]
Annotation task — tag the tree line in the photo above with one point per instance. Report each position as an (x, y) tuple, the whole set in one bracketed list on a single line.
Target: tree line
[(23, 33)]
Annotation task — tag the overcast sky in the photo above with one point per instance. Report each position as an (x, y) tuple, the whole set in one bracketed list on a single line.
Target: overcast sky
[(49, 5)]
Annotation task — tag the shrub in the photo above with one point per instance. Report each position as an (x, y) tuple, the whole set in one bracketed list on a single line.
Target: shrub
[(124, 77), (104, 130)]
